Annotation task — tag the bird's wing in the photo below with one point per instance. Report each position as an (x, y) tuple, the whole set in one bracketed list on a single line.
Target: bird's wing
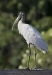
[(32, 36)]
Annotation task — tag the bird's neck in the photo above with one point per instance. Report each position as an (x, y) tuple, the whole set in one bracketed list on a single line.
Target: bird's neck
[(23, 19)]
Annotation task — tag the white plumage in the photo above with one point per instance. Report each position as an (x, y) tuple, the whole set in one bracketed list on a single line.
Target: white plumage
[(32, 36)]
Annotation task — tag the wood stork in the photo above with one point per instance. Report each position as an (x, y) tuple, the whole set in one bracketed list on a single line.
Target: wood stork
[(31, 35)]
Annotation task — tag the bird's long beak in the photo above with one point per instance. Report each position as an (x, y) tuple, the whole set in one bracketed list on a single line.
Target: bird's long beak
[(15, 22)]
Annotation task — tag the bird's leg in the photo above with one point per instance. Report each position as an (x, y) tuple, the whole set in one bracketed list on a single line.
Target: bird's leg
[(29, 56), (35, 59)]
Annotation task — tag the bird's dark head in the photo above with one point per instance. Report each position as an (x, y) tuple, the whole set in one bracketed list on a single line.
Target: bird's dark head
[(21, 16)]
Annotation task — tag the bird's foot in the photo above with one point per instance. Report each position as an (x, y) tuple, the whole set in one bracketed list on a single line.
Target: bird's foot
[(37, 69), (27, 68), (34, 68)]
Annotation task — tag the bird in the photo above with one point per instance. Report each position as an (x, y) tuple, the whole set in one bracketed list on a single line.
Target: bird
[(31, 35)]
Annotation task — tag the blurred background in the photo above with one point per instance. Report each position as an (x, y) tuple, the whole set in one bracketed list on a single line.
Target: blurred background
[(13, 47)]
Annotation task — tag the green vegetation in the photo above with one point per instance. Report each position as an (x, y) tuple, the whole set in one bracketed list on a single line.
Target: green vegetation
[(13, 48)]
